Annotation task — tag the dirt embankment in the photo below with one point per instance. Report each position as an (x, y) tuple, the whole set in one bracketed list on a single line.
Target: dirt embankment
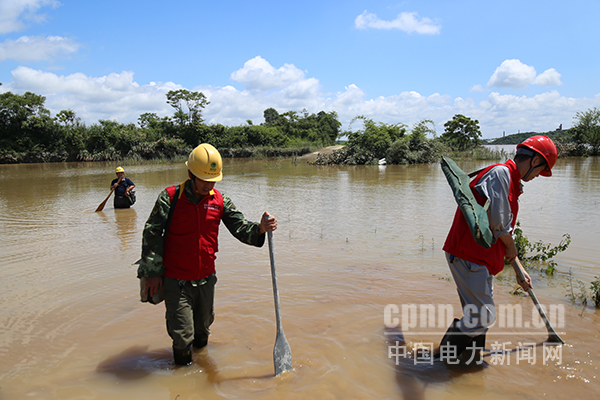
[(326, 150)]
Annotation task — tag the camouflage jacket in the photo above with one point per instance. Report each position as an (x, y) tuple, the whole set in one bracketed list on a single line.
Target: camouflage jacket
[(153, 240)]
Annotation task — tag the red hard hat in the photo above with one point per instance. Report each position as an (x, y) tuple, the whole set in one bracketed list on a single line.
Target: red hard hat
[(545, 147)]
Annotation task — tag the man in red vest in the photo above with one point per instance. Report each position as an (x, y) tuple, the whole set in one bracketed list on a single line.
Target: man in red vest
[(180, 242), (473, 266)]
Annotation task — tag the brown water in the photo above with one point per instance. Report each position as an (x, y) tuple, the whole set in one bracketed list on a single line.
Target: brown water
[(351, 240)]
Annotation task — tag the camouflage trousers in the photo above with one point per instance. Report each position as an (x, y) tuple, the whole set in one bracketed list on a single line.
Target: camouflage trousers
[(190, 310)]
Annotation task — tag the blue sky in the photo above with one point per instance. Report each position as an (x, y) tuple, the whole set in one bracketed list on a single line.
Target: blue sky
[(512, 65)]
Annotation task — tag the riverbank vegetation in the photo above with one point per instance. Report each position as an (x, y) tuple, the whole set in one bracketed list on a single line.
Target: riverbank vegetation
[(28, 133), (538, 257), (377, 143)]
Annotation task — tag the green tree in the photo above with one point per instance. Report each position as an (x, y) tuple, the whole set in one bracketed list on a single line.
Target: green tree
[(423, 128), (147, 120), (462, 133), (329, 125), (415, 147), (368, 145), (418, 136), (66, 117), (271, 115), (188, 105), (301, 128), (15, 109), (24, 122), (587, 129), (290, 116)]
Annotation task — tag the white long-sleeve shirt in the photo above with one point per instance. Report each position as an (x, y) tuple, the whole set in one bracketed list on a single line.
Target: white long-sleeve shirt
[(495, 185)]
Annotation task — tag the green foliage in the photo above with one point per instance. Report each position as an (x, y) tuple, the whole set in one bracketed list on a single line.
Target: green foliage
[(544, 253), (579, 297), (188, 105), (271, 115), (595, 292), (148, 120), (587, 129), (462, 133), (390, 141), (66, 117), (563, 135), (521, 242), (16, 109), (322, 128), (415, 148), (479, 153), (29, 134), (24, 122), (368, 145)]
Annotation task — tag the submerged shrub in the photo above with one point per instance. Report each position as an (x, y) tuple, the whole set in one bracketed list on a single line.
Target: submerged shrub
[(595, 292)]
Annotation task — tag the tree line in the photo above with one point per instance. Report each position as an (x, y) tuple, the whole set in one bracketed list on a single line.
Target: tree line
[(399, 144), (28, 133)]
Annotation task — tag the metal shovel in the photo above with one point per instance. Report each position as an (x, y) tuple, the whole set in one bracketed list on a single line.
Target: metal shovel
[(282, 353), (553, 337)]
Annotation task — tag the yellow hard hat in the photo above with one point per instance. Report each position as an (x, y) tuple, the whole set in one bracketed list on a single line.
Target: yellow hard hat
[(119, 169), (206, 163)]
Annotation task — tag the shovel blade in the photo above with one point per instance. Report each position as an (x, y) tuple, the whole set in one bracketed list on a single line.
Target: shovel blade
[(282, 355), (555, 339)]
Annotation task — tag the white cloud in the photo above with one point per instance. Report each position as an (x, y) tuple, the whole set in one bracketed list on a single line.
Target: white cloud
[(477, 88), (118, 96), (407, 21), (115, 96), (259, 74), (439, 99), (512, 74), (549, 77), (540, 113), (14, 14), (36, 48), (304, 90), (352, 95)]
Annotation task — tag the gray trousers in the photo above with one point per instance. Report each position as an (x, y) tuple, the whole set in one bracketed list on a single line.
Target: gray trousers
[(190, 310), (475, 287)]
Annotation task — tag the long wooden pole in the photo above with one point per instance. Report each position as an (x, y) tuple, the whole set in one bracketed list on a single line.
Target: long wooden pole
[(112, 189)]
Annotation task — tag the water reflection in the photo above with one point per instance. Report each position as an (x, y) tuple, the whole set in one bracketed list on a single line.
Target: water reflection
[(413, 377), (126, 224)]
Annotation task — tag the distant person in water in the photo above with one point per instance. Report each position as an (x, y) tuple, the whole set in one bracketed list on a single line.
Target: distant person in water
[(124, 194)]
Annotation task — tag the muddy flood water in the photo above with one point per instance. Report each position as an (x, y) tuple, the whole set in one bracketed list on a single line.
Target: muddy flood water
[(361, 276)]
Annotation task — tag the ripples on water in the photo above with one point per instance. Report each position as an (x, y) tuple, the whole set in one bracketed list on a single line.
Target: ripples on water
[(350, 241)]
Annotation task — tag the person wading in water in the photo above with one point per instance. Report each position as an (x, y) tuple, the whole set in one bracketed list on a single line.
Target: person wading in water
[(473, 266), (180, 240), (123, 187)]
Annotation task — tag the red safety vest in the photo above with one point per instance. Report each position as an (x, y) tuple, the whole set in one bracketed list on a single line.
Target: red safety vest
[(460, 242), (192, 240)]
